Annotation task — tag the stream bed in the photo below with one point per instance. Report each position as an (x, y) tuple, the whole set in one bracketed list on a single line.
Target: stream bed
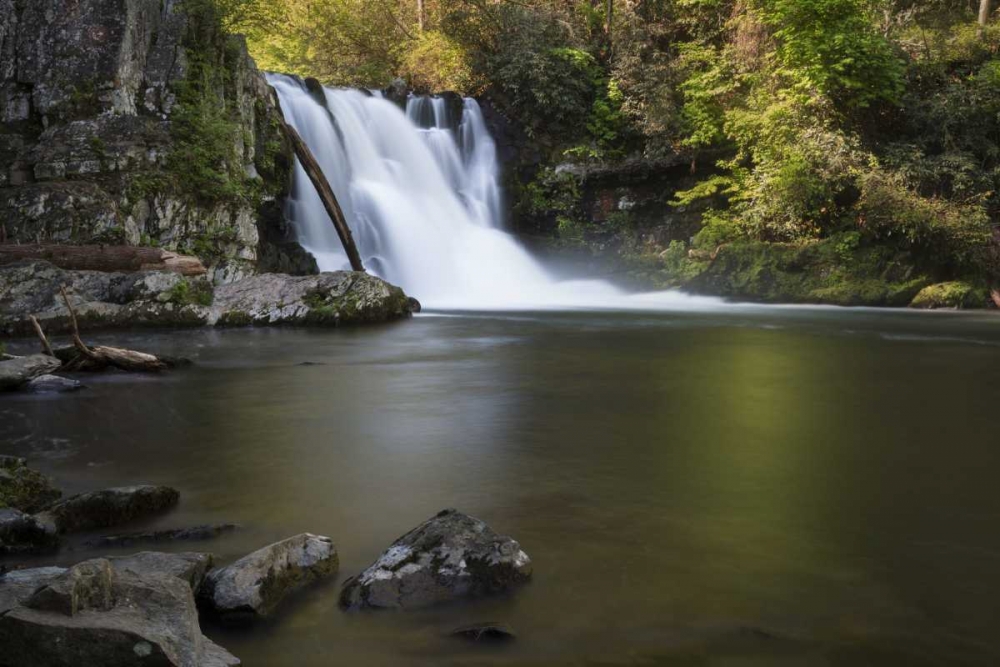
[(740, 486)]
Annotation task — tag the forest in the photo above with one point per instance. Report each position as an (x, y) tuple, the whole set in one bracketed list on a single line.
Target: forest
[(853, 143)]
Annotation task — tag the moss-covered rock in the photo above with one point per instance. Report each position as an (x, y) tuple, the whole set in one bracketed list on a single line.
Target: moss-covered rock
[(23, 488), (954, 294)]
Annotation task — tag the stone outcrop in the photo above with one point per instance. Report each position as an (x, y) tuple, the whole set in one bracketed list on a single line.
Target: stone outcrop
[(98, 143), (340, 297), (19, 371), (105, 613), (164, 299), (189, 567), (255, 584), (23, 488), (110, 507), (448, 557)]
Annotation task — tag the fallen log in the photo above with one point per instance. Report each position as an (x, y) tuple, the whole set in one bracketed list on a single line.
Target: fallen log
[(100, 357), (109, 258), (326, 194)]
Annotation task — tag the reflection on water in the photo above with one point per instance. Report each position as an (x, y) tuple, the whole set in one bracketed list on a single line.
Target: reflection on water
[(766, 486)]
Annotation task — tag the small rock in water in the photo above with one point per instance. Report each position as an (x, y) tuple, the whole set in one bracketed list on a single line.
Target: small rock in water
[(51, 384), (23, 533), (486, 632), (110, 507), (20, 370), (23, 488), (450, 556), (194, 533), (255, 584)]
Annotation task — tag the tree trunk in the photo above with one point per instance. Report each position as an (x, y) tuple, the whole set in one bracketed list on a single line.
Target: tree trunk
[(326, 195), (985, 7), (124, 258), (420, 15), (609, 19)]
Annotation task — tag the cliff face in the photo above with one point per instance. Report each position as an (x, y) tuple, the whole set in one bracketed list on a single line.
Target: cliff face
[(140, 122)]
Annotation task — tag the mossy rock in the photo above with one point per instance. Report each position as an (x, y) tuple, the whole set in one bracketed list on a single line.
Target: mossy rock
[(955, 294), (23, 488)]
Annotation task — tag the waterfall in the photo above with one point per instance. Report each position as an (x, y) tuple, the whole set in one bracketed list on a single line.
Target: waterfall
[(420, 191)]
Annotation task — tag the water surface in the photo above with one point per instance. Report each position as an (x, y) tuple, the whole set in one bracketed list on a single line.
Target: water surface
[(747, 487)]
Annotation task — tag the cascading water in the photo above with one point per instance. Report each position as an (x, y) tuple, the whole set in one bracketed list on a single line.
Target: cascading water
[(420, 192)]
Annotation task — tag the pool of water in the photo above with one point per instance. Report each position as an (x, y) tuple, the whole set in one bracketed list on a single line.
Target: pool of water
[(754, 486)]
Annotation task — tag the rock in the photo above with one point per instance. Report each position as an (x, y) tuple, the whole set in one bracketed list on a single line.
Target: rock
[(450, 556), (955, 295), (20, 370), (51, 384), (484, 632), (255, 584), (143, 620), (86, 585), (110, 507), (340, 297), (193, 533), (17, 586), (23, 533), (23, 488), (189, 567)]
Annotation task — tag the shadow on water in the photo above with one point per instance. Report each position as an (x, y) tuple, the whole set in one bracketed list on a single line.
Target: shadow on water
[(754, 487)]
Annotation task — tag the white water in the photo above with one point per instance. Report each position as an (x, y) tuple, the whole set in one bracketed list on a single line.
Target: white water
[(420, 192)]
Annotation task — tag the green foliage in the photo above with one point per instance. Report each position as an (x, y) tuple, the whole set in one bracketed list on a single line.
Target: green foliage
[(436, 62), (191, 292), (954, 294)]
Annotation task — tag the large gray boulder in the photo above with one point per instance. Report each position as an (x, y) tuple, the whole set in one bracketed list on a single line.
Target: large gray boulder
[(96, 614), (21, 370), (339, 297), (22, 533), (190, 567), (23, 488), (449, 556), (255, 584), (110, 507)]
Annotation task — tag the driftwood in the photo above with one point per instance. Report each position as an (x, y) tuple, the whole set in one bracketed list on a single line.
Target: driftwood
[(83, 358), (326, 195), (105, 258)]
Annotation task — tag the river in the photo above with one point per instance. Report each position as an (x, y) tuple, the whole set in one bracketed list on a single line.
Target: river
[(776, 486)]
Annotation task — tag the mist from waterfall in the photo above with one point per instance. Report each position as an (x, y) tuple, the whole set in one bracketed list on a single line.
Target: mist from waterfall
[(420, 191)]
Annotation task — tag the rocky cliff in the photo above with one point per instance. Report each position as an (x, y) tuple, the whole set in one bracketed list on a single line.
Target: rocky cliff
[(140, 122)]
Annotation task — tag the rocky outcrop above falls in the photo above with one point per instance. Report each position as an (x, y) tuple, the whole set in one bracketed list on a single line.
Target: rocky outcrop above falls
[(139, 122), (165, 299)]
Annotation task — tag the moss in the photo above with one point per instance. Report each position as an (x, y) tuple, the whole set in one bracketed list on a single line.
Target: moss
[(191, 293), (955, 294), (235, 318)]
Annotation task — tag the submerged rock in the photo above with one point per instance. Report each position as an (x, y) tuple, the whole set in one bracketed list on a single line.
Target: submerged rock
[(23, 533), (23, 488), (194, 533), (255, 584), (21, 370), (110, 507), (484, 632), (96, 614), (51, 384), (340, 297), (450, 556)]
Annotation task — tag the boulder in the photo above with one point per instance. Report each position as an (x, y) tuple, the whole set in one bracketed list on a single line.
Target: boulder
[(119, 618), (194, 533), (20, 370), (449, 556), (23, 533), (51, 384), (23, 488), (86, 585), (955, 295), (255, 584), (189, 567), (110, 507), (327, 299)]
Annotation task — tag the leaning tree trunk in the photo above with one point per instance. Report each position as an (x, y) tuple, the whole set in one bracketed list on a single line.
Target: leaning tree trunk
[(326, 195), (111, 258)]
